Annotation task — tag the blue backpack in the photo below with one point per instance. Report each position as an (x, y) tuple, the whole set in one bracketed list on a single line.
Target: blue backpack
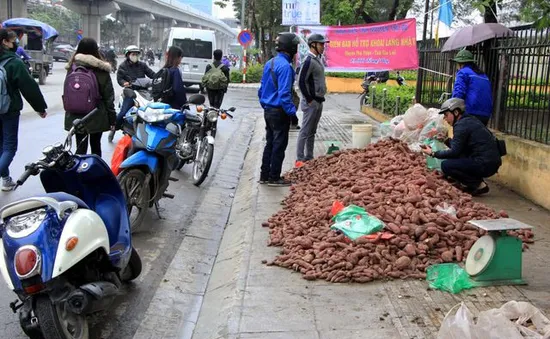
[(5, 99)]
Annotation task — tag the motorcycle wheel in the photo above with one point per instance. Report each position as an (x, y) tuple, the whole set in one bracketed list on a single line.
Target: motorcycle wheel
[(58, 323), (202, 165), (363, 100), (137, 195), (180, 165), (133, 270)]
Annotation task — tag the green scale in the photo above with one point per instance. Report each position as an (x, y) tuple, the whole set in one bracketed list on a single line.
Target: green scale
[(496, 258)]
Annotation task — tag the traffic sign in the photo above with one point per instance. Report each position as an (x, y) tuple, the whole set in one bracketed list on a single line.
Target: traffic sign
[(245, 38)]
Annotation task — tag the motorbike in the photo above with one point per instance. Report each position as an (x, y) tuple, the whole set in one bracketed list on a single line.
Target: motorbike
[(151, 61), (400, 80), (196, 142), (364, 96), (145, 173), (66, 253), (140, 91), (113, 63)]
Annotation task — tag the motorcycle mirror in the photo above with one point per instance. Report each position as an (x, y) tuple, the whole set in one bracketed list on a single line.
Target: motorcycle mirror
[(232, 109)]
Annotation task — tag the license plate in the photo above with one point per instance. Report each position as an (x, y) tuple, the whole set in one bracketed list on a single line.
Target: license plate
[(186, 68)]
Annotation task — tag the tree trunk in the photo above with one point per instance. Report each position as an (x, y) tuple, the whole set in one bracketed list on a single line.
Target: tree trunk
[(393, 11), (490, 15), (359, 10)]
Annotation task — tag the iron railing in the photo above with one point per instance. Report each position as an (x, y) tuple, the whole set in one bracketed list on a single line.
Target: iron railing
[(519, 69)]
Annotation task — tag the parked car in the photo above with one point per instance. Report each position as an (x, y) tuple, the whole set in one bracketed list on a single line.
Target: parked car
[(63, 52)]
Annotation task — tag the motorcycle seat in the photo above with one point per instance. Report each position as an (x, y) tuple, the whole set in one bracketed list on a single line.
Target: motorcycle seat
[(26, 205)]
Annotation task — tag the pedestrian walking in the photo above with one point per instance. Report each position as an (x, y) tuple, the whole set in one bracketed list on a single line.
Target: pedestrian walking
[(177, 94), (275, 95), (88, 70), (313, 86), (216, 80), (15, 81), (473, 86)]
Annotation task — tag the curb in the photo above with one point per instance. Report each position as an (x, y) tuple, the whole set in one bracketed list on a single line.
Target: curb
[(175, 306), (221, 310)]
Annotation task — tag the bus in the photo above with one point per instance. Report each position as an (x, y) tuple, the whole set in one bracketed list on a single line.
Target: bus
[(198, 46)]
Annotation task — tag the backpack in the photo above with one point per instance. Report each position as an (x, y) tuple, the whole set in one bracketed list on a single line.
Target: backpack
[(80, 91), (162, 85), (5, 99), (215, 79)]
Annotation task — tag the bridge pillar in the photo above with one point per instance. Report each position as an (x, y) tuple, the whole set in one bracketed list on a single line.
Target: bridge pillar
[(134, 20), (18, 9), (159, 27), (91, 12)]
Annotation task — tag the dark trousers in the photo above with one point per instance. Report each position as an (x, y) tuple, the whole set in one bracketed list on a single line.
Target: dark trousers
[(277, 125), (127, 103), (294, 120), (9, 127), (82, 144), (467, 171), (215, 97)]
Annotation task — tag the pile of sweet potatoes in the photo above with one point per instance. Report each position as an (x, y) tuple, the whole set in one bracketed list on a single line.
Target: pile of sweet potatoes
[(392, 183)]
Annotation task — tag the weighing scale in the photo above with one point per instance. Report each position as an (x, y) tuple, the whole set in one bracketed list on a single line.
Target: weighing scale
[(495, 258)]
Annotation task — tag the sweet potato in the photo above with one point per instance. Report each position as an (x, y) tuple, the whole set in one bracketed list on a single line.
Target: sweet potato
[(403, 262)]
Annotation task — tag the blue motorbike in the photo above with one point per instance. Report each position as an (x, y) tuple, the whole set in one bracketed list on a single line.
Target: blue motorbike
[(145, 173), (66, 252)]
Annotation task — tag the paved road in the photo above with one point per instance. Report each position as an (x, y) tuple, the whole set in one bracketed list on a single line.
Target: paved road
[(157, 245)]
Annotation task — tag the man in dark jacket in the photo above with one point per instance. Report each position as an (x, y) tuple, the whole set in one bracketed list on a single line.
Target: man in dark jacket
[(19, 82), (275, 95), (128, 71), (473, 153), (215, 96)]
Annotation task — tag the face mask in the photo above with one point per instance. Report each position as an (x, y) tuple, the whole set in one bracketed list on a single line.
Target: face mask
[(134, 58)]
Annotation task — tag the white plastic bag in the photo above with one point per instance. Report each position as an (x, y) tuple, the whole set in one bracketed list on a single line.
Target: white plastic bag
[(446, 208), (433, 126), (415, 117), (398, 130), (457, 326)]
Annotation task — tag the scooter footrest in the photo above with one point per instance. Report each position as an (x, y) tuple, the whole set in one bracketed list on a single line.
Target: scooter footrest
[(168, 195), (173, 179)]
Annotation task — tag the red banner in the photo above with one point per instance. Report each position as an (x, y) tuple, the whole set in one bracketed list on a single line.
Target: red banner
[(381, 46)]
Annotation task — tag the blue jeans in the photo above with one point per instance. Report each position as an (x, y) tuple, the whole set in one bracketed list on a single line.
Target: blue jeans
[(127, 103), (9, 127), (277, 125), (466, 171)]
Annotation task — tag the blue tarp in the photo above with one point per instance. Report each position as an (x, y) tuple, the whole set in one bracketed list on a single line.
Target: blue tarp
[(47, 31)]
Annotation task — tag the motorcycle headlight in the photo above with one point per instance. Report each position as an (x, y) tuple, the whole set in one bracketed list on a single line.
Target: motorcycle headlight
[(22, 225), (212, 116), (154, 115)]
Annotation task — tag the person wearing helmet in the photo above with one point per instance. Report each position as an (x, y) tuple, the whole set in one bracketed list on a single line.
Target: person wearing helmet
[(473, 154), (128, 71), (275, 95), (313, 87), (110, 56), (473, 86)]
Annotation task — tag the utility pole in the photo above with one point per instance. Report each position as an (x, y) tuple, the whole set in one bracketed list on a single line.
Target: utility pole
[(243, 59)]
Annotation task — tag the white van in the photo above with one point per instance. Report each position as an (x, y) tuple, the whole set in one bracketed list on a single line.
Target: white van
[(198, 46)]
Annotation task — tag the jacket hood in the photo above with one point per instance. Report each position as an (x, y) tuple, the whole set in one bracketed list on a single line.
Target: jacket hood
[(7, 53), (90, 61)]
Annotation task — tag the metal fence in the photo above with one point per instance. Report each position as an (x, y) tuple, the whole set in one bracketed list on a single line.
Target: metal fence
[(519, 69)]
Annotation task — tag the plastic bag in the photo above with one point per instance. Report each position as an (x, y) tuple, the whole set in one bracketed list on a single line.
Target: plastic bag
[(496, 323), (436, 145), (355, 222), (457, 326), (386, 129), (446, 208), (434, 125), (398, 130), (448, 277), (120, 153), (415, 117)]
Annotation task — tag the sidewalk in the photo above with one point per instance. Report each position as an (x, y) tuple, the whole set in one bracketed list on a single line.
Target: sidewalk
[(247, 299)]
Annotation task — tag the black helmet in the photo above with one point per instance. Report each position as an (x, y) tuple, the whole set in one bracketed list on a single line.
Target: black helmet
[(316, 38), (287, 42)]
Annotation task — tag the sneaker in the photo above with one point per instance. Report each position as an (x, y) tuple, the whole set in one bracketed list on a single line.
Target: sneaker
[(263, 181), (111, 136), (480, 191), (299, 164), (8, 184), (279, 183)]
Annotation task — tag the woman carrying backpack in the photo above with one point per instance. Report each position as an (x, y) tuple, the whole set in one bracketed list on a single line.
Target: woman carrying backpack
[(178, 95), (15, 81), (88, 62)]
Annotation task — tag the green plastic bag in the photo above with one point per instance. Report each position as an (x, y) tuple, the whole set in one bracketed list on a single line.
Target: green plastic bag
[(448, 277), (436, 145), (355, 222)]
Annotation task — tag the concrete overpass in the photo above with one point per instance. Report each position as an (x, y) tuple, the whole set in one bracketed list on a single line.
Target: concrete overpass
[(159, 14)]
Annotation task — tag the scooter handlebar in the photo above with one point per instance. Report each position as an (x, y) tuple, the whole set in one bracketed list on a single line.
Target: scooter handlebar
[(30, 169)]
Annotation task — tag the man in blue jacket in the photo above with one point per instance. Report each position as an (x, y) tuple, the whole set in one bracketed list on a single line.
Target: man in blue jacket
[(473, 153), (275, 95), (473, 86)]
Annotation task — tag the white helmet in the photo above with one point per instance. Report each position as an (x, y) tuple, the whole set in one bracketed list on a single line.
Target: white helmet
[(131, 49)]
